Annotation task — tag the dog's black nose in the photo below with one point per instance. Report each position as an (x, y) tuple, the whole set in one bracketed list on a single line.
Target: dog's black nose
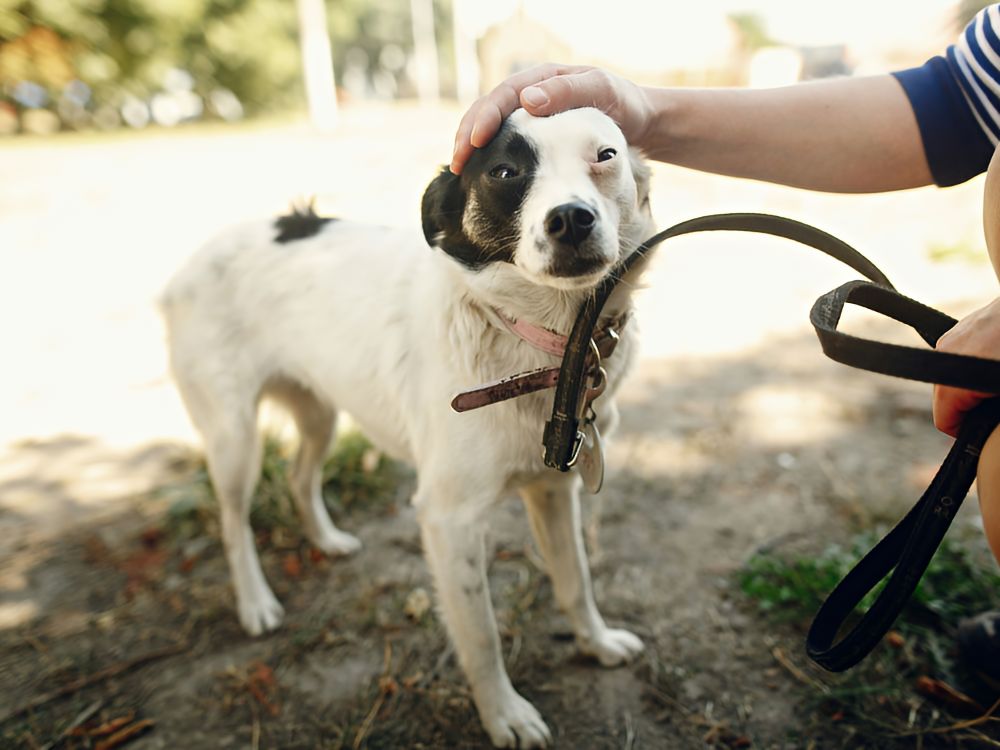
[(570, 223)]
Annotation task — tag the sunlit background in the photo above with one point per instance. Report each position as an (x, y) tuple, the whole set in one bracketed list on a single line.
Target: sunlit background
[(132, 130)]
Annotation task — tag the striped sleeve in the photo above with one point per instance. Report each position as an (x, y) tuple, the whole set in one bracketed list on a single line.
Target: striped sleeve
[(956, 99)]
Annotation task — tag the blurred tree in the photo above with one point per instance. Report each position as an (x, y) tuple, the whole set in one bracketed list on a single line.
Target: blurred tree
[(129, 49), (361, 29), (752, 31)]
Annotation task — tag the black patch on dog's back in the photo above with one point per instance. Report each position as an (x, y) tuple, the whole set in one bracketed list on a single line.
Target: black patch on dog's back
[(302, 222), (498, 202)]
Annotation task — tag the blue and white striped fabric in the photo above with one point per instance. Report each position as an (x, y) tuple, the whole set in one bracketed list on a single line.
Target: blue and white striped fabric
[(956, 99), (975, 62)]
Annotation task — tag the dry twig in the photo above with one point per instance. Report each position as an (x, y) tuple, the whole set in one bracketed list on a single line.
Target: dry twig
[(386, 686), (124, 735), (959, 726), (92, 679), (779, 656), (71, 728)]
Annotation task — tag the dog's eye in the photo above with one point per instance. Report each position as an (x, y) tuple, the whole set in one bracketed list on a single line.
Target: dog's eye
[(606, 154), (503, 172)]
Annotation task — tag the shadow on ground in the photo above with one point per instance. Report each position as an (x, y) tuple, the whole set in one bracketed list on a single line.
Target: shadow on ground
[(716, 459)]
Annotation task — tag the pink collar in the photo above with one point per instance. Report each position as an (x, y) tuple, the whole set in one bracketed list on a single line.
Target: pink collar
[(541, 338), (605, 340)]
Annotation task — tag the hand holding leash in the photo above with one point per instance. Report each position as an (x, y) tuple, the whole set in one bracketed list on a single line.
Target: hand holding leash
[(903, 555), (978, 335)]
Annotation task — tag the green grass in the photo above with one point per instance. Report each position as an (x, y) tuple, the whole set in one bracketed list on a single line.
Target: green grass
[(877, 699), (960, 581), (356, 478)]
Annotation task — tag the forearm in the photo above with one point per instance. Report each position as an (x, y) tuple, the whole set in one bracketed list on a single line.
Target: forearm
[(841, 135)]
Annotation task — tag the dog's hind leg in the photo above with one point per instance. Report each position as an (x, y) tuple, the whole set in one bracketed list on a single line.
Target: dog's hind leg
[(315, 421), (233, 453), (554, 514)]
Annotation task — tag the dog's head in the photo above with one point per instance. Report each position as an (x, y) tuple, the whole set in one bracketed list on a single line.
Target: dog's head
[(560, 198)]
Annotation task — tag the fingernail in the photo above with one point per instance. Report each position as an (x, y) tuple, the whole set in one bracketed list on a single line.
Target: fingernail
[(534, 96), (472, 136)]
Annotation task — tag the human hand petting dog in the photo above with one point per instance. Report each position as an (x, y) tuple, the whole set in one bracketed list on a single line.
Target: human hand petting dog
[(792, 135), (548, 89)]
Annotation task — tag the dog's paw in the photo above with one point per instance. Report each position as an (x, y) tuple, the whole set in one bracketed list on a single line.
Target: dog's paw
[(612, 647), (261, 613), (514, 722), (336, 543)]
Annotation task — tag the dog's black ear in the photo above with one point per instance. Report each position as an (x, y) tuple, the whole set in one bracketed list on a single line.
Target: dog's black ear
[(442, 207)]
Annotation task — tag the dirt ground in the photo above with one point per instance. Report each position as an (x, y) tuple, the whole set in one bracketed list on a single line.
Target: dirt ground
[(737, 436)]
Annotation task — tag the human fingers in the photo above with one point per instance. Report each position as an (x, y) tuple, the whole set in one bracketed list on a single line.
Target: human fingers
[(587, 88), (978, 334), (483, 119), (950, 405), (620, 99)]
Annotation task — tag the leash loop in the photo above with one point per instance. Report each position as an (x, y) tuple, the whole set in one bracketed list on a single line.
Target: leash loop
[(903, 555), (906, 551)]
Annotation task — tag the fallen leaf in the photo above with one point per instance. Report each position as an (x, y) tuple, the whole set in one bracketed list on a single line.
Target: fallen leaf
[(387, 684), (262, 686), (263, 674), (291, 564), (142, 567), (152, 536), (417, 603), (895, 639)]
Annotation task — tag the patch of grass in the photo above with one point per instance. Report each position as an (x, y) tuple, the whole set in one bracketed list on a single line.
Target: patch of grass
[(356, 477), (878, 699), (960, 581), (791, 590)]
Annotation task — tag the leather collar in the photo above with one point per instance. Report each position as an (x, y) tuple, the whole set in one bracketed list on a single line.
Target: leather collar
[(545, 340)]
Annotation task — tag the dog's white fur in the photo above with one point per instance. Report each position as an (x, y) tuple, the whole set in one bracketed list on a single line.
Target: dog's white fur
[(371, 321)]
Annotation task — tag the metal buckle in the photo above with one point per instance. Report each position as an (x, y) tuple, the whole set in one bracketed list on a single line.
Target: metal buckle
[(609, 341), (577, 444), (600, 384), (596, 352)]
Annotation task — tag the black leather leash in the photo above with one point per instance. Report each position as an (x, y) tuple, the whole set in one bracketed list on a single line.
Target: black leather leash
[(562, 432), (907, 550)]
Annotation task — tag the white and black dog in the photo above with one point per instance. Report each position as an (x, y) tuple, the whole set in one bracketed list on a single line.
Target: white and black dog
[(322, 315)]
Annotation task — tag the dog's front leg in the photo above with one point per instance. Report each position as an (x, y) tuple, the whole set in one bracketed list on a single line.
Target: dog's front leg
[(455, 551), (554, 513)]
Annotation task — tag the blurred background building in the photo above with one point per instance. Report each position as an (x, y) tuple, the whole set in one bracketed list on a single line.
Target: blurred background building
[(106, 64)]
